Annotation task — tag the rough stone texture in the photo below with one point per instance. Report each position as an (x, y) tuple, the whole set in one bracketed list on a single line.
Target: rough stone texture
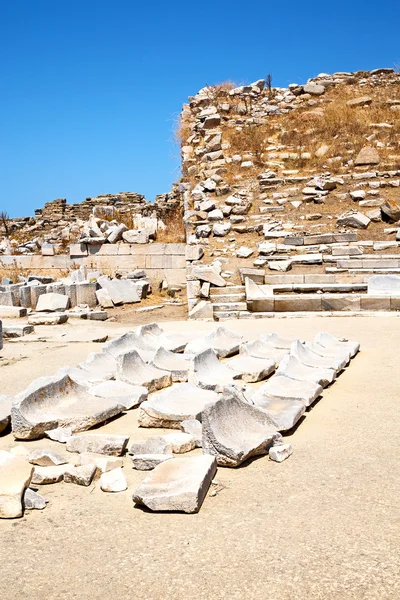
[(132, 369), (102, 462), (81, 475), (280, 453), (153, 335), (281, 387), (209, 373), (52, 319), (147, 462), (180, 442), (208, 273), (367, 156), (195, 429), (154, 445), (169, 408), (262, 349), (390, 211), (5, 412), (113, 481), (52, 302), (252, 369), (127, 395), (177, 485), (202, 311), (49, 475), (284, 413), (292, 367), (100, 443), (46, 458), (15, 477), (224, 342), (177, 365), (33, 501), (53, 402), (354, 219), (309, 357), (234, 431)]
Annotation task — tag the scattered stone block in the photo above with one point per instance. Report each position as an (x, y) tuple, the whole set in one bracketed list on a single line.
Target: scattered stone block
[(180, 442), (102, 462), (52, 303), (252, 369), (210, 374), (5, 412), (33, 501), (49, 475), (132, 369), (127, 395), (53, 319), (113, 481), (99, 443), (15, 477), (384, 285), (147, 462), (177, 365), (177, 485), (284, 413), (46, 458), (81, 475), (367, 156), (280, 453), (194, 428), (281, 387)]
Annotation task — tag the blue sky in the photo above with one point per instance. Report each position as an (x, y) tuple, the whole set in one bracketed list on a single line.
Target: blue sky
[(91, 89)]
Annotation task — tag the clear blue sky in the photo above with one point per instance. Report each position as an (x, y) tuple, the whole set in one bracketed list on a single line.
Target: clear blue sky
[(90, 89)]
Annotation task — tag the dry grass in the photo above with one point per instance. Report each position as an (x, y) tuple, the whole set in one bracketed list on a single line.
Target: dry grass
[(175, 228)]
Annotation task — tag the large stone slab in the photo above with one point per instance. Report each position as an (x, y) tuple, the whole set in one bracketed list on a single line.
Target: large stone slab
[(127, 395), (284, 413), (58, 401), (208, 273), (234, 431), (341, 354), (132, 369), (224, 342), (52, 303), (328, 341), (252, 369), (129, 342), (290, 366), (169, 408), (100, 365), (384, 285), (308, 357), (156, 337), (210, 374), (180, 484), (281, 387), (99, 443), (121, 291), (262, 349), (177, 365), (15, 476)]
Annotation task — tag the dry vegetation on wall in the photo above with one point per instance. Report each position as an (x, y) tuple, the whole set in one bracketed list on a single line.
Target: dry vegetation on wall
[(174, 231)]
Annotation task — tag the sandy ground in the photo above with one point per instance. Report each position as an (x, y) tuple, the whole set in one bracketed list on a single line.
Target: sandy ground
[(322, 525)]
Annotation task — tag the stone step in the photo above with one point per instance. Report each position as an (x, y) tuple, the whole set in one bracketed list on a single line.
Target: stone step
[(305, 288), (234, 289), (229, 306), (227, 298)]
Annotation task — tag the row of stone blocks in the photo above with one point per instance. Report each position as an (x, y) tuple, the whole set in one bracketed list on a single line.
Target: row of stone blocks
[(324, 302), (27, 296), (145, 250)]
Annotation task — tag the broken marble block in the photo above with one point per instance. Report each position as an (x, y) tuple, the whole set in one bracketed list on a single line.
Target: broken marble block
[(49, 475), (210, 374), (284, 413), (252, 369), (58, 401), (181, 442), (113, 481), (15, 476), (99, 366), (180, 484), (195, 429), (154, 445), (46, 458), (81, 475), (100, 443), (170, 407), (329, 341), (5, 412), (224, 342), (282, 387), (280, 453), (128, 342), (52, 302), (132, 369), (234, 431), (102, 462), (290, 366), (156, 337), (147, 462), (33, 501)]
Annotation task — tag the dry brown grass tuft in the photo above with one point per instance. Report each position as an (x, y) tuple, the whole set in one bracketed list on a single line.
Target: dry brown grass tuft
[(174, 227)]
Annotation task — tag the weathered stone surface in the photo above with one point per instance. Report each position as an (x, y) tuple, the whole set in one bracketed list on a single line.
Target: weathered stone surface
[(314, 89), (102, 462), (99, 366), (180, 442), (342, 355), (328, 341), (224, 342), (262, 349), (45, 319), (156, 337), (195, 429), (154, 445), (127, 395), (17, 331), (353, 219), (52, 402), (175, 364), (132, 369), (52, 303), (210, 374), (367, 156), (15, 477), (384, 285), (5, 412), (291, 367), (252, 369), (60, 434), (121, 291), (306, 356), (202, 311), (116, 233), (280, 453), (169, 408), (100, 443), (46, 458), (49, 475), (136, 236), (113, 481), (180, 484), (358, 102), (33, 501), (281, 387), (104, 298), (234, 431), (284, 413), (147, 462), (208, 273), (390, 211), (127, 343), (81, 475)]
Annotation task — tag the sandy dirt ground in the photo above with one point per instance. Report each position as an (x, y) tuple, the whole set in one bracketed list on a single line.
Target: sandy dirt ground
[(322, 525)]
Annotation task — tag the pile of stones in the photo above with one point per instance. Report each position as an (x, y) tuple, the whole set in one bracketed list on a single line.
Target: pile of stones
[(202, 388)]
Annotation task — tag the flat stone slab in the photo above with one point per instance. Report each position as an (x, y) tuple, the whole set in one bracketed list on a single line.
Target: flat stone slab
[(176, 364), (293, 368), (15, 477), (224, 342), (281, 387), (5, 412), (234, 431), (252, 369), (341, 354), (181, 442), (58, 401), (46, 458), (100, 443), (155, 336), (329, 341), (17, 331), (100, 365), (80, 475), (210, 374), (169, 408), (154, 445), (132, 369), (262, 349), (49, 475), (384, 285), (127, 343), (43, 319), (127, 395), (285, 413), (102, 462), (177, 485), (12, 312), (305, 355)]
